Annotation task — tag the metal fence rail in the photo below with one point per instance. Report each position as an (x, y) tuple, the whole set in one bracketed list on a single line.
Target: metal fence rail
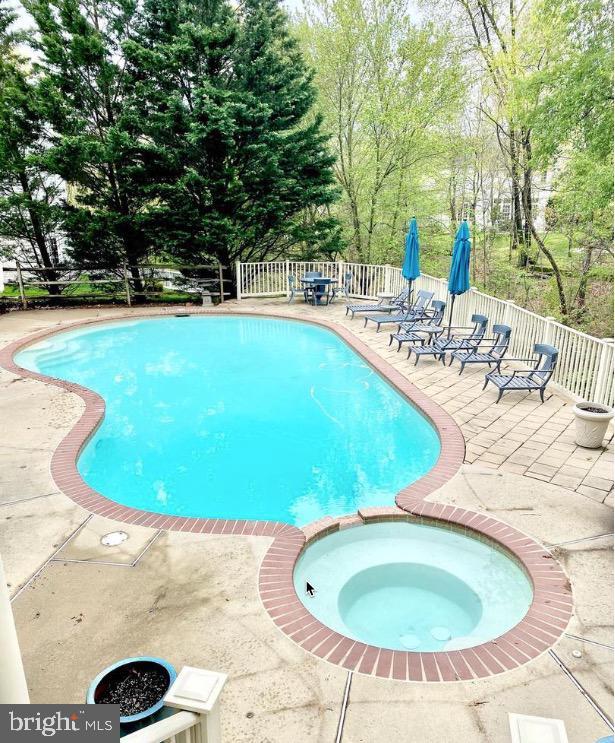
[(585, 365)]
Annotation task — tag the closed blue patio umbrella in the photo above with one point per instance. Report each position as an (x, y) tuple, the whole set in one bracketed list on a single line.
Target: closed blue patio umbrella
[(459, 275), (410, 270)]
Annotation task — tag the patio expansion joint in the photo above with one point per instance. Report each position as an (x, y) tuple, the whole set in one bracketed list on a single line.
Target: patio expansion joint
[(580, 540), (344, 708), (132, 564), (582, 690), (587, 639), (51, 558), (32, 497)]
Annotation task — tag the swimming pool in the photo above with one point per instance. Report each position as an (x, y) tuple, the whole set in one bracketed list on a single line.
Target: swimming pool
[(412, 587), (238, 418)]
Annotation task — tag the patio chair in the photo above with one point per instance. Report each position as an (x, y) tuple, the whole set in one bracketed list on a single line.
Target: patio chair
[(452, 341), (343, 289), (419, 331), (311, 290), (494, 349), (535, 378), (295, 289), (384, 305), (416, 311)]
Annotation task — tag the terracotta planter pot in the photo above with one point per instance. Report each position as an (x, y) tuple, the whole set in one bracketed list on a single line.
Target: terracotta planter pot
[(591, 425)]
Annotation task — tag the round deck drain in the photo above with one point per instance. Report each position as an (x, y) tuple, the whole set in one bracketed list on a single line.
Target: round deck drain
[(113, 538)]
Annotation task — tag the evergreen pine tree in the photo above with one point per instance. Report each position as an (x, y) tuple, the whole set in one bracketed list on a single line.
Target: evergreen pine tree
[(29, 195), (233, 160), (85, 88)]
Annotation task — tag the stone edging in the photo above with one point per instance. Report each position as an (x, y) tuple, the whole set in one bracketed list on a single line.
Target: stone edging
[(543, 624), (64, 459)]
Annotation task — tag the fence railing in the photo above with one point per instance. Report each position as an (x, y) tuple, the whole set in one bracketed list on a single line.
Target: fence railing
[(196, 694), (125, 283), (585, 365)]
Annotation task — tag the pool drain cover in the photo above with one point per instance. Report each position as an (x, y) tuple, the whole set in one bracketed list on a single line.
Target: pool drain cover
[(113, 538)]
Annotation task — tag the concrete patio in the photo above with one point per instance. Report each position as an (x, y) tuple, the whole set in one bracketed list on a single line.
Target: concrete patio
[(193, 599)]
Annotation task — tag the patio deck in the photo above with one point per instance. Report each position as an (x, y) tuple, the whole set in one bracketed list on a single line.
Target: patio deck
[(194, 599)]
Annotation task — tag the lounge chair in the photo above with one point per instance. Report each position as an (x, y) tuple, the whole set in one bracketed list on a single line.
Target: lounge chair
[(449, 342), (493, 349), (416, 311), (343, 289), (420, 331), (526, 380), (384, 305)]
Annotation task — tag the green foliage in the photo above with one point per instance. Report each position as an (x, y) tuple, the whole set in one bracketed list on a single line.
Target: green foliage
[(230, 164), (194, 130), (571, 106), (29, 213), (85, 87), (183, 130), (388, 90)]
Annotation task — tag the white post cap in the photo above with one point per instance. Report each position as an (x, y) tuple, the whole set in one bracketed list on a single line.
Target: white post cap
[(195, 690)]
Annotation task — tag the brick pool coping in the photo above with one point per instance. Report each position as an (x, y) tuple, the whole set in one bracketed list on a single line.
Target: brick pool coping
[(541, 627), (64, 459), (544, 623)]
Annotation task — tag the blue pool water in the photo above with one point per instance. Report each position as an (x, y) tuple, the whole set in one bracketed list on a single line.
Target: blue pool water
[(407, 586), (234, 417)]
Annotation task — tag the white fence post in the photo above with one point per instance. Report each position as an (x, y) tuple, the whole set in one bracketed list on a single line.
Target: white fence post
[(1, 277), (387, 278), (508, 312), (238, 278), (286, 277), (601, 392), (549, 334), (340, 274), (197, 690), (13, 687)]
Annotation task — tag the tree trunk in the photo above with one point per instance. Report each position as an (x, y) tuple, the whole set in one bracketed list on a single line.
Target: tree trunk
[(39, 238), (356, 228), (563, 304), (587, 262), (526, 195), (134, 254), (516, 202)]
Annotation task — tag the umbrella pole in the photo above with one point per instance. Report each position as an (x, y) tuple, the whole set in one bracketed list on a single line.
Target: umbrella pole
[(450, 315), (409, 306)]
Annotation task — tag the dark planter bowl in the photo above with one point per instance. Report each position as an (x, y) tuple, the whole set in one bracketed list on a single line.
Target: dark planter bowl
[(118, 670)]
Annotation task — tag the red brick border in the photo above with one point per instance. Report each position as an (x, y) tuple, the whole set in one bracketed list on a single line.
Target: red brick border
[(64, 459), (543, 624)]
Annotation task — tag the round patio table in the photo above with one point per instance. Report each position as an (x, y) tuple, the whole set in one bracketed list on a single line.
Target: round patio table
[(320, 288)]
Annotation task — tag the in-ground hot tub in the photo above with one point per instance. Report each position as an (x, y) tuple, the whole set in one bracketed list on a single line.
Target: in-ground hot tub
[(413, 587)]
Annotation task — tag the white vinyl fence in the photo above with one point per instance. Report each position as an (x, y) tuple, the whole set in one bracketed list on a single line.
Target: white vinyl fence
[(585, 365)]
